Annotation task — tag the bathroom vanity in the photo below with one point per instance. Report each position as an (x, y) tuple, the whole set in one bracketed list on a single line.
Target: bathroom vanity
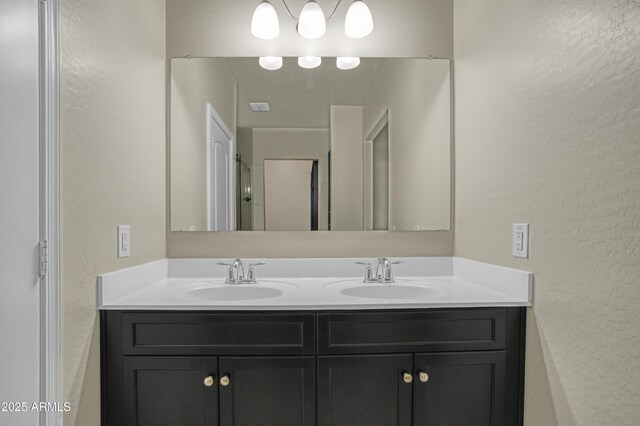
[(449, 353)]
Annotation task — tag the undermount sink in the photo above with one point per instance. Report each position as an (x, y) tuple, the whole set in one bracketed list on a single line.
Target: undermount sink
[(217, 291), (389, 291), (233, 292), (400, 289)]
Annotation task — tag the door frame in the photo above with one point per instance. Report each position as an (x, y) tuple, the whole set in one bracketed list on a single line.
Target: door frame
[(212, 115), (50, 331), (367, 170)]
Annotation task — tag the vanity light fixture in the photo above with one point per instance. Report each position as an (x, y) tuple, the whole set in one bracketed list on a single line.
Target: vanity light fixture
[(264, 24), (347, 62), (358, 22), (312, 22), (270, 62), (309, 62)]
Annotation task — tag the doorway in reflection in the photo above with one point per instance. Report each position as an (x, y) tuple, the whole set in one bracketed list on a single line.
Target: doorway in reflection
[(291, 194), (243, 194)]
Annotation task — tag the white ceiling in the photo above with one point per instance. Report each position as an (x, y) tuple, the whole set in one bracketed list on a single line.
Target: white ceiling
[(299, 97)]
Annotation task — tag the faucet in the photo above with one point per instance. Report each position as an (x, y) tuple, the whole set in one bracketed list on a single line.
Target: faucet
[(235, 273), (384, 276)]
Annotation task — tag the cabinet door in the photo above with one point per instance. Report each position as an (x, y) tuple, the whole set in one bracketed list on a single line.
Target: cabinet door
[(277, 391), (368, 390), (460, 389), (170, 391)]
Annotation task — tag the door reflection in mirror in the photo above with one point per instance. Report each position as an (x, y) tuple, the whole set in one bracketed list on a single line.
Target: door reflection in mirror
[(290, 195)]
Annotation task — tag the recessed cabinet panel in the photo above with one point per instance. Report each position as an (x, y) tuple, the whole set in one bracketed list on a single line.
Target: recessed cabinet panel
[(217, 334), (268, 391), (367, 390), (460, 389), (388, 332), (170, 391)]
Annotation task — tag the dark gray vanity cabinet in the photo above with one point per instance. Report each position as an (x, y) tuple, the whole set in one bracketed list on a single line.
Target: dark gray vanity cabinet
[(389, 368), (268, 391), (364, 390), (169, 391), (460, 389)]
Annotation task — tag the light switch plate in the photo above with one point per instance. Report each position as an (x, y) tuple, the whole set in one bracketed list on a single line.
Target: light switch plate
[(520, 244), (124, 241)]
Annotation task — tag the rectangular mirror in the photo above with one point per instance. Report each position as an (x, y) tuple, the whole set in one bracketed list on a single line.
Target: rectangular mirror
[(298, 149)]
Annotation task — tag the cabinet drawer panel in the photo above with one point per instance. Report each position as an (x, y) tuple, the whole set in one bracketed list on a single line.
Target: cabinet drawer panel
[(394, 332), (217, 334)]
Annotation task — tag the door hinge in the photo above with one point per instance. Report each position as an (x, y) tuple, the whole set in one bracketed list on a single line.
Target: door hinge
[(44, 258)]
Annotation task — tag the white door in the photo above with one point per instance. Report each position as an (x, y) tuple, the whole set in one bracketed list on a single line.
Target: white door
[(287, 195), (19, 211), (221, 154)]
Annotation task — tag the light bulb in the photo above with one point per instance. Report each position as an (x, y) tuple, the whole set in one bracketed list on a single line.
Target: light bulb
[(311, 24), (358, 22), (309, 61), (264, 24), (347, 62), (270, 62)]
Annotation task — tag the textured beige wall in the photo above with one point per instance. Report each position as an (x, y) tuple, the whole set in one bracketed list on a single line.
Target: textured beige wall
[(291, 144), (210, 28), (548, 132), (113, 168), (194, 83), (417, 95)]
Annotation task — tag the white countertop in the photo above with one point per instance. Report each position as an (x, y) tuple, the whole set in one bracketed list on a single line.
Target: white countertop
[(314, 284)]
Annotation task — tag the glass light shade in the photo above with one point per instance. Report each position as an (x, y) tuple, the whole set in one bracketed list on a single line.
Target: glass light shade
[(264, 24), (309, 61), (270, 62), (311, 24), (358, 22), (347, 62)]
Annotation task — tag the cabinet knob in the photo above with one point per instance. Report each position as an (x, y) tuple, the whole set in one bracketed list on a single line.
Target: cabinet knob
[(423, 377), (408, 378), (224, 381), (208, 381)]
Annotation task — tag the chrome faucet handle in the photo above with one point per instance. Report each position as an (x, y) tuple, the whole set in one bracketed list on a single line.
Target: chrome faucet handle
[(368, 272), (251, 273), (230, 278)]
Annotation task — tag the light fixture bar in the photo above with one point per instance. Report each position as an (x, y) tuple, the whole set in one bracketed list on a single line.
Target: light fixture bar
[(286, 6), (311, 22)]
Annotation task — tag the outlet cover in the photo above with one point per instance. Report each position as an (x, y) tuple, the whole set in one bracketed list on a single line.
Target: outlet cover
[(520, 244), (124, 241)]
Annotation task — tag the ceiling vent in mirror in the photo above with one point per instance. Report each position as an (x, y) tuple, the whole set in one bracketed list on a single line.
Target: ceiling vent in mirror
[(259, 106)]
